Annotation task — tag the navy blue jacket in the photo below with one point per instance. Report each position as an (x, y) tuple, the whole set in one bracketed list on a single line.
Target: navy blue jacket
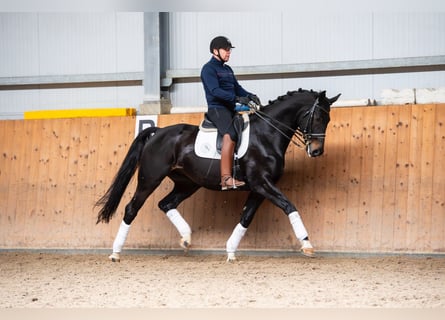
[(220, 85)]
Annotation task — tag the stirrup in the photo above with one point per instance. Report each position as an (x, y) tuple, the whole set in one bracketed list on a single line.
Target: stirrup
[(235, 183)]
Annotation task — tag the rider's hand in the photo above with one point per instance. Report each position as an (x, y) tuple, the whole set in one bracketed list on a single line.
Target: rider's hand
[(255, 99), (243, 100)]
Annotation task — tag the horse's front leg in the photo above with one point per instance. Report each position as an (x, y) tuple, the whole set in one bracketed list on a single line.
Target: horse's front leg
[(253, 202), (271, 192)]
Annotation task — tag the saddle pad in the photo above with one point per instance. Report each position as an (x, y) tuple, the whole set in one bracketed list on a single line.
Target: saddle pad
[(205, 143)]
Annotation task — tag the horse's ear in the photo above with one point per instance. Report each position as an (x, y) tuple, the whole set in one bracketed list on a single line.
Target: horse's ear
[(322, 94), (332, 100)]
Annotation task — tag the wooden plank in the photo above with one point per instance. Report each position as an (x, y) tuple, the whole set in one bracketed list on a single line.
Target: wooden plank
[(17, 194), (79, 113), (426, 178), (70, 208), (341, 183), (82, 216), (377, 207), (389, 195), (438, 188), (20, 194), (42, 164), (414, 178), (401, 178), (4, 175), (366, 207), (89, 196), (8, 185), (32, 184), (352, 229), (61, 153)]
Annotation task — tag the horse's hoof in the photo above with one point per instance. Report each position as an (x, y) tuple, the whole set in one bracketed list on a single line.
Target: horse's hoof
[(185, 242), (231, 257), (115, 257), (308, 252), (307, 249)]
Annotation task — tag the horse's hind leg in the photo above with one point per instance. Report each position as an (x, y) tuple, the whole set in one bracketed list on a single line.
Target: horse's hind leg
[(143, 190), (254, 200), (181, 191)]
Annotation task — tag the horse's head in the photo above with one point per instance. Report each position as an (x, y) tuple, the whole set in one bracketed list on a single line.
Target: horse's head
[(305, 113), (313, 123)]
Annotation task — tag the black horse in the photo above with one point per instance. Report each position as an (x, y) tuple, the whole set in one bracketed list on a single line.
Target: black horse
[(169, 152)]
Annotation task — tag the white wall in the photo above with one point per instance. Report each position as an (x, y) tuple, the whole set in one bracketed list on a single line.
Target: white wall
[(39, 44), (302, 37), (34, 44)]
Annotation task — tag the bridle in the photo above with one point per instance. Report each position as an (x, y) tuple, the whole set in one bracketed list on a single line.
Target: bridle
[(307, 131), (302, 136)]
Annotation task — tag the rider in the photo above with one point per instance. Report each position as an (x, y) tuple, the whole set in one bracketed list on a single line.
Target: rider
[(222, 91)]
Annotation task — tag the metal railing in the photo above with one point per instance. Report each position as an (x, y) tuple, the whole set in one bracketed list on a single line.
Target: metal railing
[(278, 71), (319, 69)]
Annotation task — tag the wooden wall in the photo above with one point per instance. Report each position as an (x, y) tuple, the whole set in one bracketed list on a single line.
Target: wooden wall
[(379, 187)]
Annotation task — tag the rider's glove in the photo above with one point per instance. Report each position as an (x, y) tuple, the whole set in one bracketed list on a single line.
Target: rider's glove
[(255, 99), (243, 100)]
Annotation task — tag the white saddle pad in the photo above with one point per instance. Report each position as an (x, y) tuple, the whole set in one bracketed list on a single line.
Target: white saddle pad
[(205, 143)]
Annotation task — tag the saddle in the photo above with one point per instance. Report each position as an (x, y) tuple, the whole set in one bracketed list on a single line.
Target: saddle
[(238, 123), (208, 141)]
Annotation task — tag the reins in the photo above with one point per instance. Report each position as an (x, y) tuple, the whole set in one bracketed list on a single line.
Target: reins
[(304, 136), (296, 133)]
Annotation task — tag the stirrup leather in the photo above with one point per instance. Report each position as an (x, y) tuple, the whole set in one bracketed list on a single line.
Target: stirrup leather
[(233, 185)]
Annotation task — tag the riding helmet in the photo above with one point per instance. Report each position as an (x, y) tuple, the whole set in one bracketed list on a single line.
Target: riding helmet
[(220, 42)]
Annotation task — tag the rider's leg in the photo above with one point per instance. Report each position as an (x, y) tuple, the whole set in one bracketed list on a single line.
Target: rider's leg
[(227, 150)]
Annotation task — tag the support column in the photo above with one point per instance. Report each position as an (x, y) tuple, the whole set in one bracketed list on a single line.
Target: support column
[(153, 103)]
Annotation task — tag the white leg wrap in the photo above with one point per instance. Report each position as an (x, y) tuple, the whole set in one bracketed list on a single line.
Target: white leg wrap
[(234, 240), (121, 237), (179, 222), (297, 225)]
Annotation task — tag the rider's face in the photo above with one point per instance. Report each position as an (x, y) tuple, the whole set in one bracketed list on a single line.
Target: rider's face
[(224, 54)]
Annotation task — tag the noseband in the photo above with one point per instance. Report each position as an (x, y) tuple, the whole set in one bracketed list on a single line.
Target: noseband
[(304, 136)]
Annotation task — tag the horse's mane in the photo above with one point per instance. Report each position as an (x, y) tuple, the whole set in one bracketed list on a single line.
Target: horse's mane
[(292, 93)]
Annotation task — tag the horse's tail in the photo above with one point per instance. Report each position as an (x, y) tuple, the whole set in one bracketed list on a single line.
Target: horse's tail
[(110, 200)]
